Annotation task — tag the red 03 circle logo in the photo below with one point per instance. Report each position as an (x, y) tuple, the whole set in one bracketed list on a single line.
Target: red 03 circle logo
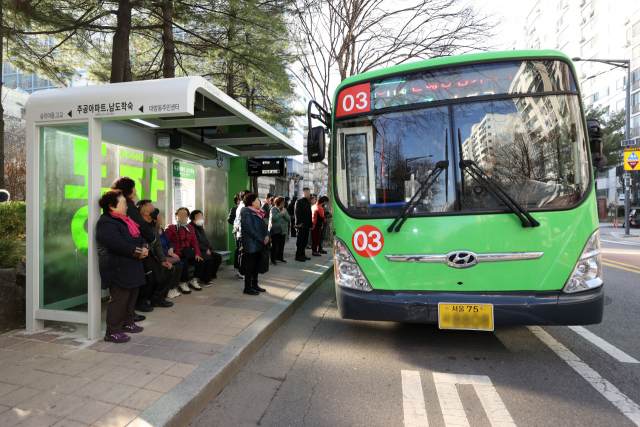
[(367, 241), (356, 99)]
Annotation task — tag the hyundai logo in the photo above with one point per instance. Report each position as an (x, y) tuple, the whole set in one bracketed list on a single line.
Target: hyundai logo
[(461, 259)]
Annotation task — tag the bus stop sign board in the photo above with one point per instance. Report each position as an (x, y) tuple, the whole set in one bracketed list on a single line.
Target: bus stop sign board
[(631, 159)]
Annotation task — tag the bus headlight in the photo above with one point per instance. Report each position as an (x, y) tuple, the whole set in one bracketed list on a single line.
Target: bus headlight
[(587, 273), (347, 271)]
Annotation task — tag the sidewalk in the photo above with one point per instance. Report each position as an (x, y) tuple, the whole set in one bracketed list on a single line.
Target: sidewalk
[(59, 378), (619, 231)]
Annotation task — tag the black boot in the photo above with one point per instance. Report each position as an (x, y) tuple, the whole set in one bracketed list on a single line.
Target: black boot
[(258, 288), (250, 291)]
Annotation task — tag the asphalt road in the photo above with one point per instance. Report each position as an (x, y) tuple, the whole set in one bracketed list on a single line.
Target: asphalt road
[(320, 370)]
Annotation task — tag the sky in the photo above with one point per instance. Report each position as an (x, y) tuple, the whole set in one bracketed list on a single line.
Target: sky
[(513, 14)]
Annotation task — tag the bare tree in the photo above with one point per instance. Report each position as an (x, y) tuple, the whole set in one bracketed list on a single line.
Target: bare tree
[(15, 166), (342, 38)]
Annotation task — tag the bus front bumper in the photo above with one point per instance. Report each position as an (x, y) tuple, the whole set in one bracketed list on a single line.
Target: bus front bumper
[(509, 308)]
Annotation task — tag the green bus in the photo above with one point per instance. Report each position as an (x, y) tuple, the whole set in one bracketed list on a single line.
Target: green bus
[(463, 192)]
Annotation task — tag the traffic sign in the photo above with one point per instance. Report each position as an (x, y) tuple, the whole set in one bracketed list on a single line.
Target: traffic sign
[(631, 160), (629, 142)]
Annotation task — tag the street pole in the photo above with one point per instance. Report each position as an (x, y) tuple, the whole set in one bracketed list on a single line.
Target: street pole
[(627, 174)]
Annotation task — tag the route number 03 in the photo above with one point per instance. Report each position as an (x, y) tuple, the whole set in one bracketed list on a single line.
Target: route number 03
[(367, 241), (348, 102)]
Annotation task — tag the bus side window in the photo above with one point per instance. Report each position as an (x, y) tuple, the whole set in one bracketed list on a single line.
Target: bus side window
[(342, 152)]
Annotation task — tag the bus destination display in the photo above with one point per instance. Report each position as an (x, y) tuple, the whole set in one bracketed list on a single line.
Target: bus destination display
[(267, 167)]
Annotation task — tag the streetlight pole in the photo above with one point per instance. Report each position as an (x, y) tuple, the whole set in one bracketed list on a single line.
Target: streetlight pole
[(622, 63)]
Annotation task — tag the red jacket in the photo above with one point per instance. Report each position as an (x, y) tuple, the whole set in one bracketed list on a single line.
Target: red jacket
[(317, 212), (189, 239)]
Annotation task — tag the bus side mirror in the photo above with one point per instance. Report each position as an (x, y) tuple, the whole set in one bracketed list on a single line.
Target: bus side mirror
[(316, 139), (316, 145), (596, 144)]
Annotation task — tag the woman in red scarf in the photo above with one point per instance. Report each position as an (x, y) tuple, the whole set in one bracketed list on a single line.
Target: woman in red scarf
[(121, 250)]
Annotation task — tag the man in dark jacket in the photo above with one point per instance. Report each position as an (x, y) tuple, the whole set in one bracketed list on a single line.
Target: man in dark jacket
[(158, 293), (304, 221), (212, 259), (266, 207), (128, 188)]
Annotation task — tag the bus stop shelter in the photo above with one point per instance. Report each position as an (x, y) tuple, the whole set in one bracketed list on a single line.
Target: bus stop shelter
[(183, 140)]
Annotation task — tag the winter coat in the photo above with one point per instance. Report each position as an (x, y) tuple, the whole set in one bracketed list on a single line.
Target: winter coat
[(237, 223), (278, 219), (232, 215), (254, 230), (266, 208), (188, 236), (303, 213), (145, 228), (318, 216), (166, 245), (119, 254), (155, 248)]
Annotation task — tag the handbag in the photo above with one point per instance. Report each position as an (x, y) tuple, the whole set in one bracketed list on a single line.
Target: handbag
[(265, 256), (188, 253), (154, 274)]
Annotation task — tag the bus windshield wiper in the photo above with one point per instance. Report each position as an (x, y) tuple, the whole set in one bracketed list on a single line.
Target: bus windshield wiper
[(482, 178), (419, 195)]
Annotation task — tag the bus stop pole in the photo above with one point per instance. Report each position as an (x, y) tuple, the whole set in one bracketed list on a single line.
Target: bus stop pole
[(627, 175)]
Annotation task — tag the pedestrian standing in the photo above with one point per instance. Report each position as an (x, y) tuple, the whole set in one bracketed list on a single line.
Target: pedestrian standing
[(291, 209), (255, 236), (121, 252), (278, 222), (237, 230), (318, 224), (303, 224)]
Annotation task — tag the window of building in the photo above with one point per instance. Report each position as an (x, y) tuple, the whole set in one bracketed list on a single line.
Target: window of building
[(620, 105), (635, 98), (635, 52), (621, 83), (636, 28)]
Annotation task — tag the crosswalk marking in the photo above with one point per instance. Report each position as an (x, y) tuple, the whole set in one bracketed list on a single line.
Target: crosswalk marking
[(451, 405), (629, 408), (415, 412), (614, 352)]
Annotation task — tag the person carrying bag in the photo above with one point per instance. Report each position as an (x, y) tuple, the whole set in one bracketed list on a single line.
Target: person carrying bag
[(255, 241)]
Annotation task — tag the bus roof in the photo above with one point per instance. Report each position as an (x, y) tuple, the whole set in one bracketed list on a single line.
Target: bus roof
[(450, 60)]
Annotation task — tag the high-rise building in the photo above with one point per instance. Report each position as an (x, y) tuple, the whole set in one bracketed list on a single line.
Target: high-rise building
[(594, 29)]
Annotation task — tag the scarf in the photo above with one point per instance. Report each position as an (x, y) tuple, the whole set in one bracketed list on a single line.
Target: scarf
[(134, 228), (258, 211)]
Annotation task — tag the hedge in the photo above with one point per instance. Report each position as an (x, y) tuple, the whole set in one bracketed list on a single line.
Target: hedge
[(13, 228)]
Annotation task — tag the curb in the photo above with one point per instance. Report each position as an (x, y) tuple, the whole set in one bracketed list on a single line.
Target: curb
[(186, 400)]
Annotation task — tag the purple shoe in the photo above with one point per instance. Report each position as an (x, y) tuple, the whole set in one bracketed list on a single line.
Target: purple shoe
[(118, 338), (132, 329)]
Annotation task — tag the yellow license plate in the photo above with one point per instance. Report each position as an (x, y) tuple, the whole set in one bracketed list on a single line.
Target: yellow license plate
[(475, 317)]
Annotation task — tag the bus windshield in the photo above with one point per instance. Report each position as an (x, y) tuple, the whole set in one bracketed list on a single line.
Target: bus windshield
[(532, 144)]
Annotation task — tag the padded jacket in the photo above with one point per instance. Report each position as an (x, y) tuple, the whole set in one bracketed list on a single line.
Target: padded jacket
[(278, 219), (188, 236), (119, 254), (254, 230)]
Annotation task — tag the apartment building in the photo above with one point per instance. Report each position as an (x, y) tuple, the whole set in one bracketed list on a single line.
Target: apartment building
[(594, 29)]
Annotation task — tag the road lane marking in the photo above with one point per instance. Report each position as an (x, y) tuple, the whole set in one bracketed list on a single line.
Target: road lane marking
[(451, 405), (620, 253), (415, 412), (621, 268), (608, 390), (614, 352), (622, 263)]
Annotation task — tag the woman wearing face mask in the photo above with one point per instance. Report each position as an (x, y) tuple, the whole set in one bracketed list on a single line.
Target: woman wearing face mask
[(211, 259), (183, 236)]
